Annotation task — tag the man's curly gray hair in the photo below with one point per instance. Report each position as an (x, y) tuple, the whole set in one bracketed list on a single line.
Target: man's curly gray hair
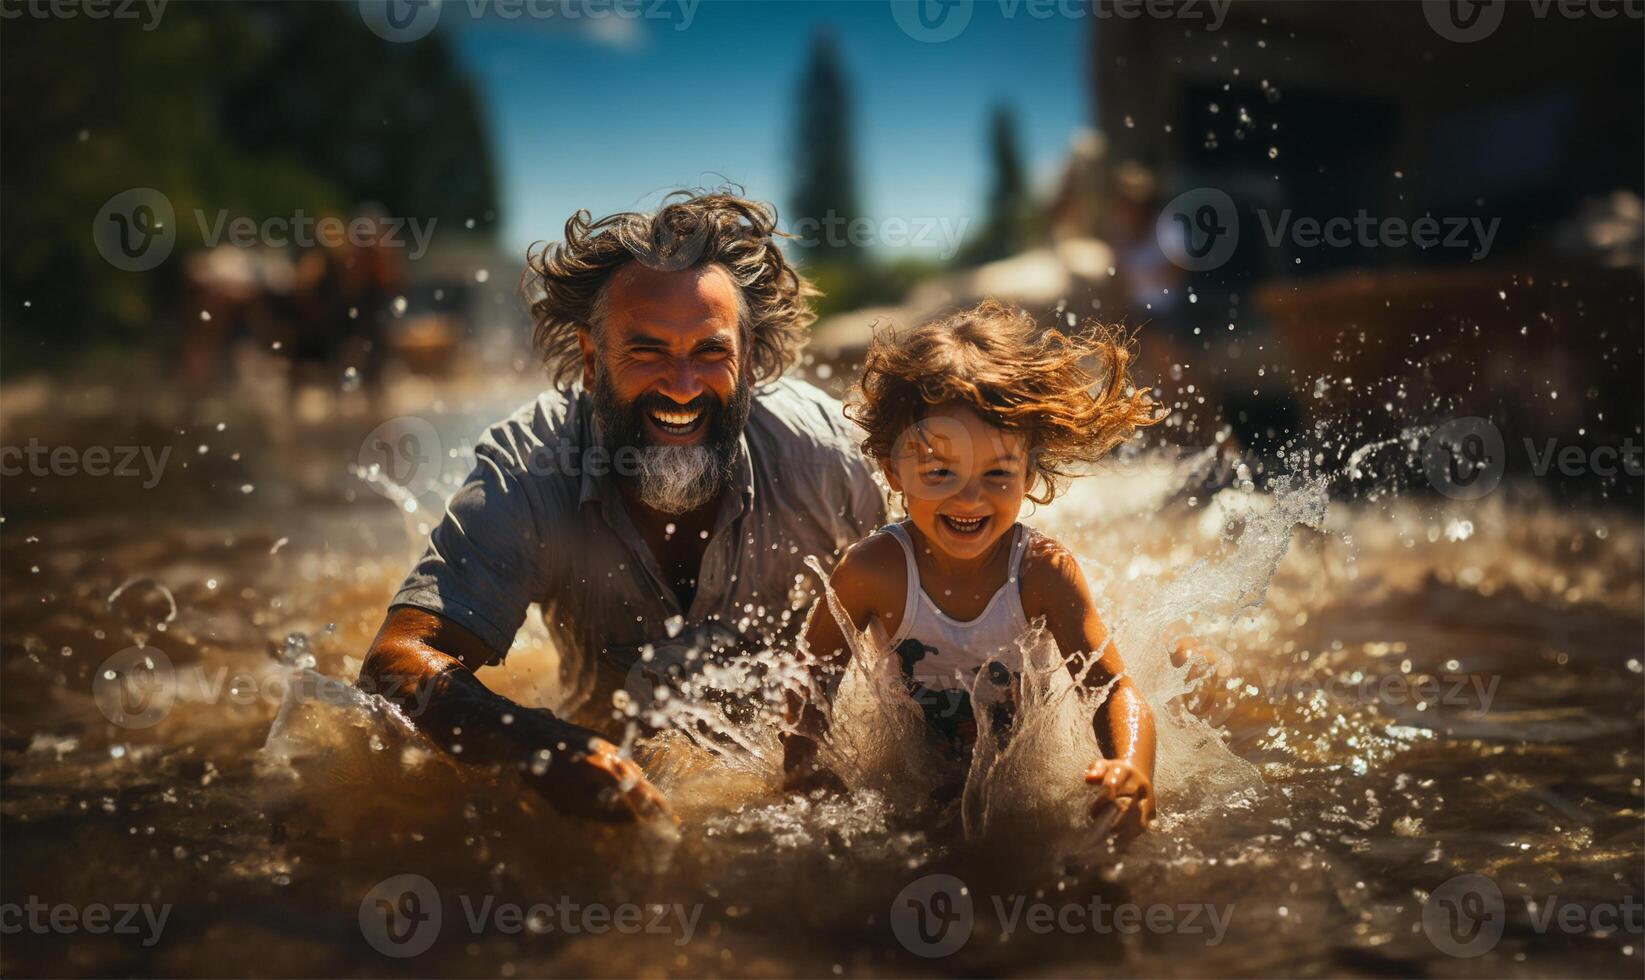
[(566, 281)]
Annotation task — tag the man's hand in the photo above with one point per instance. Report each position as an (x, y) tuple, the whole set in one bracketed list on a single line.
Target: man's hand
[(596, 781), (1122, 785), (574, 768)]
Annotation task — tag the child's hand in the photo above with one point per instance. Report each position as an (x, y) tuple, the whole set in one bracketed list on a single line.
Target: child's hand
[(1125, 786)]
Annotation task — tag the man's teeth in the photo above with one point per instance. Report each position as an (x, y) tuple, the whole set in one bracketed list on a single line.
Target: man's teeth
[(677, 420)]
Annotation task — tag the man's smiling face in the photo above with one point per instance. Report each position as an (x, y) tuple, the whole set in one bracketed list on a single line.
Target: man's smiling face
[(665, 366)]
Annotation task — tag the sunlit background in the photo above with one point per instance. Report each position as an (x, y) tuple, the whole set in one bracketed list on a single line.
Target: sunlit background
[(1382, 261)]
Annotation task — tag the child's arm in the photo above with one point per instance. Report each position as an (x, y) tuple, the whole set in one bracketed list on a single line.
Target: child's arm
[(1054, 587), (868, 572)]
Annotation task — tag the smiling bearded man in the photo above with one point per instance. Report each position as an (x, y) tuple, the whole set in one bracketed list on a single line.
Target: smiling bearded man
[(657, 504)]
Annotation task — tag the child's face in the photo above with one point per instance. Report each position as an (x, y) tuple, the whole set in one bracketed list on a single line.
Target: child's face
[(963, 480)]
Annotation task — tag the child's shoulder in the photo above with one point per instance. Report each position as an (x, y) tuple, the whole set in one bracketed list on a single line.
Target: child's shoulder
[(1049, 569), (879, 555), (870, 571)]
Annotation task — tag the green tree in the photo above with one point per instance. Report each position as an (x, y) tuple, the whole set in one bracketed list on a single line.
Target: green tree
[(249, 109), (825, 189), (1008, 226)]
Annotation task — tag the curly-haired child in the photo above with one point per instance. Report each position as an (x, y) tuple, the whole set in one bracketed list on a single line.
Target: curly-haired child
[(968, 417)]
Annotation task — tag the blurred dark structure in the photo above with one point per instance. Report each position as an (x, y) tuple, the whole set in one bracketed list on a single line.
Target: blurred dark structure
[(1327, 109), (256, 110)]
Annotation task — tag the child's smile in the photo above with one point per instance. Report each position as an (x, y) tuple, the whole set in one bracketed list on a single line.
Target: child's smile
[(963, 481)]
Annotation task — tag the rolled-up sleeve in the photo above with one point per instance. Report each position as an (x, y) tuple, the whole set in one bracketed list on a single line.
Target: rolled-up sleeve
[(485, 562)]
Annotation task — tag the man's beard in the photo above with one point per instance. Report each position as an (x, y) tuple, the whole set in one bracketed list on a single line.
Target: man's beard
[(673, 479)]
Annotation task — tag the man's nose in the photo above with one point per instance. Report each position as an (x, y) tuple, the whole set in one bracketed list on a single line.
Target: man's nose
[(681, 382)]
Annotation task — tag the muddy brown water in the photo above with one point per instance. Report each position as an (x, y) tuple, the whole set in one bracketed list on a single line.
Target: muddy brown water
[(1427, 689)]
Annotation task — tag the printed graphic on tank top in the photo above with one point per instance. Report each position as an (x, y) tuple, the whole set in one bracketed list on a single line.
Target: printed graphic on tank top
[(940, 656)]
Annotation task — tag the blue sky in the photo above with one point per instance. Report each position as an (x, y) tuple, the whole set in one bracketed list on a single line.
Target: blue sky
[(609, 115)]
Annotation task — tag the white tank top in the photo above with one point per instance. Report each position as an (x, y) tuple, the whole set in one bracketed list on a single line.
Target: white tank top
[(951, 652)]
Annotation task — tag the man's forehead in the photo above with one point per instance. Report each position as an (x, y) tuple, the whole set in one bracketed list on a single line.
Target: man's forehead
[(686, 300)]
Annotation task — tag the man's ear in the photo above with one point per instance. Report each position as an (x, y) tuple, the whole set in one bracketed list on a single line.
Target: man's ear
[(585, 341)]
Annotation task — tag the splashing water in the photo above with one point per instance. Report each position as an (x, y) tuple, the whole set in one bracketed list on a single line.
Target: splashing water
[(1293, 788)]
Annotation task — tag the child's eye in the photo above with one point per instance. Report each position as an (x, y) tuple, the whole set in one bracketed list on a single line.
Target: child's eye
[(940, 473)]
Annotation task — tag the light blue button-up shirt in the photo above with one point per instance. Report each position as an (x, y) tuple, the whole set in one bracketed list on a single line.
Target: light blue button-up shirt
[(540, 519)]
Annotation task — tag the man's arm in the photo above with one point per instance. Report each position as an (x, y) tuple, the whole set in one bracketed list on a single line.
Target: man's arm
[(425, 664)]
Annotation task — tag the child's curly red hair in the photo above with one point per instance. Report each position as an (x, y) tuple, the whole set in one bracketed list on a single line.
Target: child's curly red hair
[(995, 359)]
